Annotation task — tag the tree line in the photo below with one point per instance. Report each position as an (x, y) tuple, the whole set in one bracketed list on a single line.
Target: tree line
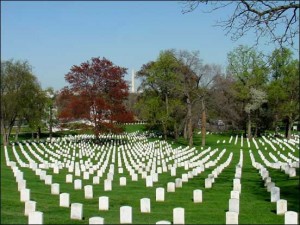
[(255, 94), (178, 91)]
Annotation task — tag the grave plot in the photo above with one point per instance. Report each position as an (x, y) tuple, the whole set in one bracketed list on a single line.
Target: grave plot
[(89, 181)]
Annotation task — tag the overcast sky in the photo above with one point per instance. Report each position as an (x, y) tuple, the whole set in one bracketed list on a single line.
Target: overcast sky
[(53, 36)]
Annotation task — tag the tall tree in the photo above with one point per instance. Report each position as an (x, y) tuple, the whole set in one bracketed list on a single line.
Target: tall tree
[(283, 90), (19, 95), (250, 72), (96, 92), (159, 91), (276, 20)]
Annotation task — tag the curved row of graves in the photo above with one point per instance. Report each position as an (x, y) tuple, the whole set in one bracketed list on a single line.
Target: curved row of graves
[(133, 157)]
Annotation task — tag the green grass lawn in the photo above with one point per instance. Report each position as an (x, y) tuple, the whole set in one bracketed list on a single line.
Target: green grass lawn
[(255, 205)]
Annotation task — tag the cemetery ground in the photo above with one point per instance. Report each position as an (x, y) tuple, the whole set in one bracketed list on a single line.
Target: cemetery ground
[(255, 206)]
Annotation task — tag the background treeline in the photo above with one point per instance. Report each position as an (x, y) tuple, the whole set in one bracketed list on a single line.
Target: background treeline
[(178, 94)]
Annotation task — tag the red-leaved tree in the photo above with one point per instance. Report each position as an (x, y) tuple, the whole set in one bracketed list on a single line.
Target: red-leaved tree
[(96, 93)]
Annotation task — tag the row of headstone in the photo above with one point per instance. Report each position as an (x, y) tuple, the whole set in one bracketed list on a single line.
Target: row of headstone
[(290, 217)]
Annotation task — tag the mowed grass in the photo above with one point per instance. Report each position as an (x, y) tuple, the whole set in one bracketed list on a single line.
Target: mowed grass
[(255, 205)]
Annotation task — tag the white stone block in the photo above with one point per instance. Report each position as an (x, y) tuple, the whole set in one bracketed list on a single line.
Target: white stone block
[(178, 216), (64, 200), (291, 217), (30, 206), (86, 175), (69, 178), (76, 211), (77, 184), (96, 180), (145, 205), (122, 181), (21, 185), (234, 205), (171, 187), (25, 195), (55, 189), (88, 192), (235, 194), (178, 183), (275, 194), (197, 196), (134, 177), (149, 182), (281, 206), (103, 203), (184, 177), (96, 220), (107, 185), (160, 194), (232, 218), (163, 222), (48, 179), (35, 218), (125, 214), (208, 183)]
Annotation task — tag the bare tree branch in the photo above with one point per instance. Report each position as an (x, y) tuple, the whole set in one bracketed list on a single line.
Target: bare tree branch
[(276, 20)]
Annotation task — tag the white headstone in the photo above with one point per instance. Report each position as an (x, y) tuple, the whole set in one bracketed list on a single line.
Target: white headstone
[(64, 200), (281, 206), (88, 191), (275, 194), (96, 180), (163, 222), (96, 220), (208, 183), (134, 177), (125, 214), (160, 194), (145, 205), (149, 182), (69, 178), (234, 205), (21, 184), (30, 206), (122, 181), (235, 194), (48, 179), (178, 216), (107, 185), (171, 187), (178, 183), (25, 195), (76, 211), (55, 189), (291, 217), (103, 203), (270, 185), (232, 218), (77, 184), (197, 196), (35, 217)]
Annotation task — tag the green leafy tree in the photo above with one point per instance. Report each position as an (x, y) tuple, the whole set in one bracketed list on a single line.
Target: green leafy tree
[(250, 72), (283, 90), (20, 97)]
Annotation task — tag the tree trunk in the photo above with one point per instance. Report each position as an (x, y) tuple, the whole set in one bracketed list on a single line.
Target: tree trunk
[(185, 131), (189, 123), (176, 132), (203, 124), (165, 130), (50, 124), (275, 124), (4, 134), (38, 134), (249, 127), (18, 130), (288, 129)]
